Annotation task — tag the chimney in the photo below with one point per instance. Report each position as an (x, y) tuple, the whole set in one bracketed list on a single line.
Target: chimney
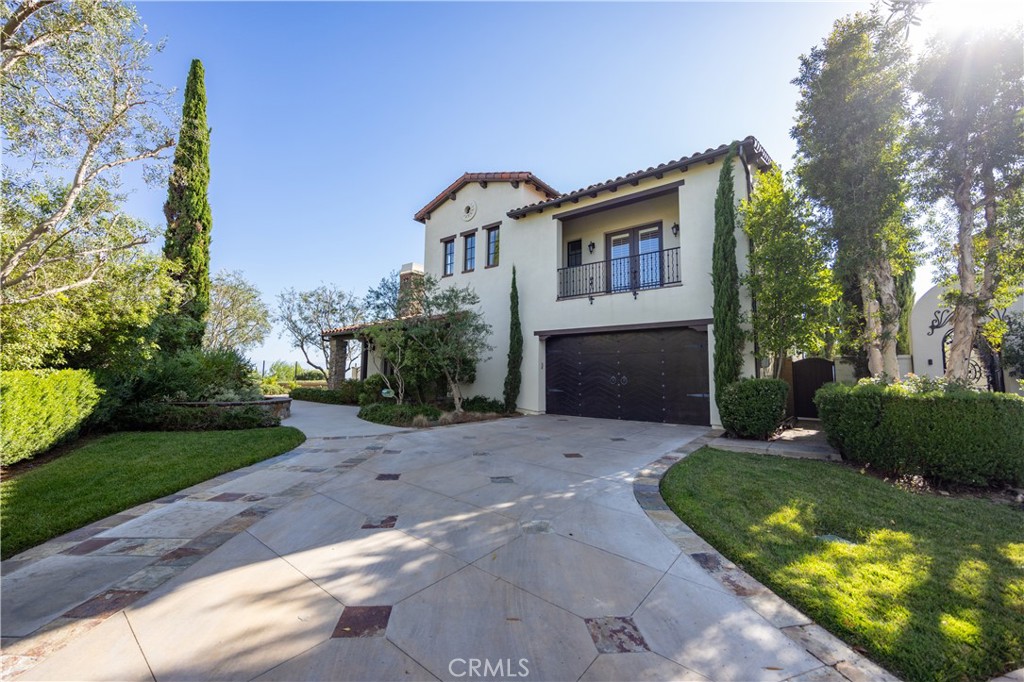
[(410, 280)]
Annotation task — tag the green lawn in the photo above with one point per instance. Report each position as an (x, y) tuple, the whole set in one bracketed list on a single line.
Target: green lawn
[(933, 589), (122, 470)]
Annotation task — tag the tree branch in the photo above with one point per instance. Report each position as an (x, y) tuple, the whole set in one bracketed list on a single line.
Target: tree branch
[(20, 16), (56, 290)]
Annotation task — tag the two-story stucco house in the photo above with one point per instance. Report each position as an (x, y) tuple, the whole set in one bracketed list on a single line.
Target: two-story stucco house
[(614, 283)]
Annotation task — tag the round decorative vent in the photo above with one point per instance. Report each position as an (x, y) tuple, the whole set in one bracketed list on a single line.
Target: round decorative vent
[(469, 210)]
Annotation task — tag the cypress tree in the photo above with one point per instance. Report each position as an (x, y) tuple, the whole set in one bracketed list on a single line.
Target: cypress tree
[(514, 377), (726, 281), (189, 219)]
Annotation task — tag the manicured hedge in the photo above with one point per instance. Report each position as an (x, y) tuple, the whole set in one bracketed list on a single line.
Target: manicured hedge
[(165, 417), (397, 415), (481, 403), (346, 394), (40, 409), (955, 436), (753, 408)]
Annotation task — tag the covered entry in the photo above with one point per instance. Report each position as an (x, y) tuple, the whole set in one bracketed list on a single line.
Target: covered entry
[(657, 375)]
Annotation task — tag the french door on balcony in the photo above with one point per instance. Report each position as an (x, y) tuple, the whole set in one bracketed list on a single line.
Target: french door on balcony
[(634, 258)]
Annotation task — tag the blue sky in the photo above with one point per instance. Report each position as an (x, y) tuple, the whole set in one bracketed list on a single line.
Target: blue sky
[(334, 122)]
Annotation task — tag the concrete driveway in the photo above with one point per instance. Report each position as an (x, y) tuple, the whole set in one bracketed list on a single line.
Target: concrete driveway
[(507, 549)]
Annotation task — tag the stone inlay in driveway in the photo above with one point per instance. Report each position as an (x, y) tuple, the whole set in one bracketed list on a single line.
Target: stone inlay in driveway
[(571, 455), (502, 479), (227, 497), (388, 477), (616, 635), (89, 546), (103, 605), (385, 522), (363, 621)]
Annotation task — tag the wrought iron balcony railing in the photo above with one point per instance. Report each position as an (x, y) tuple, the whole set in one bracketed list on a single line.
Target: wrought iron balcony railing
[(650, 270)]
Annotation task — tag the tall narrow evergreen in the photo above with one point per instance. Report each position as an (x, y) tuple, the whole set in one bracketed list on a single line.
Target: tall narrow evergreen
[(189, 219), (514, 377), (726, 281)]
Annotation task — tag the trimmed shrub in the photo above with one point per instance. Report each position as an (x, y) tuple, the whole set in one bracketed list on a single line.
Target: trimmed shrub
[(481, 403), (370, 388), (397, 415), (954, 436), (277, 388), (42, 408), (194, 374), (165, 417), (753, 408), (346, 394)]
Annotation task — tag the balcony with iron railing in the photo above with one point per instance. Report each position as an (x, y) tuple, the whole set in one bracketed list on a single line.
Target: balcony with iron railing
[(651, 270)]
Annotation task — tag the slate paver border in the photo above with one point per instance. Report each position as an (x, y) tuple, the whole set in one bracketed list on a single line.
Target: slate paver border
[(818, 642), (19, 654)]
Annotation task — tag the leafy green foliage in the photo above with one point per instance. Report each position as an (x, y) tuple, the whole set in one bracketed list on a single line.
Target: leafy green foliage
[(852, 161), (726, 281), (305, 315), (970, 157), (189, 218), (753, 408), (40, 409), (166, 417), (788, 277), (950, 436), (928, 586), (119, 471), (514, 376), (370, 390), (481, 403), (76, 108), (237, 318), (346, 394), (197, 375), (394, 414), (451, 333)]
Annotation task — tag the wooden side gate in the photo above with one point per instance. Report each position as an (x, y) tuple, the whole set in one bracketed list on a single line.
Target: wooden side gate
[(809, 375)]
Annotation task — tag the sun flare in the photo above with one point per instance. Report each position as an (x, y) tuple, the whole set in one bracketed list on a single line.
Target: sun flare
[(962, 15)]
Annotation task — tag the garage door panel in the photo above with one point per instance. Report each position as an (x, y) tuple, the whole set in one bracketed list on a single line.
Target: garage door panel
[(655, 375)]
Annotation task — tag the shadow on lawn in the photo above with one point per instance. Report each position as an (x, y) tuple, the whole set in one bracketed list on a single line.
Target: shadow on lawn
[(908, 600)]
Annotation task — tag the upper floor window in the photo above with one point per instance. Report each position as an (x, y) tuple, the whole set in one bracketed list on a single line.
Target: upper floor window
[(469, 253), (492, 246), (448, 265), (574, 253)]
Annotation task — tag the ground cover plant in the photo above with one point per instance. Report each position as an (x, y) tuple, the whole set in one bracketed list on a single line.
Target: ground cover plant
[(119, 471), (931, 587)]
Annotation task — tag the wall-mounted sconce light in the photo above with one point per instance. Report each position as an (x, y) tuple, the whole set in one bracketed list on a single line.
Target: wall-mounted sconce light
[(675, 229), (591, 246), (591, 300)]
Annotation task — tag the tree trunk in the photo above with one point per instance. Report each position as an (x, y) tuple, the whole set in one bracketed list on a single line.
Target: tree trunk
[(965, 314), (885, 285), (456, 392), (872, 325)]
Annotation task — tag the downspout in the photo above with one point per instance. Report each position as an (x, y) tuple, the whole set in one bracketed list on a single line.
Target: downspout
[(750, 248)]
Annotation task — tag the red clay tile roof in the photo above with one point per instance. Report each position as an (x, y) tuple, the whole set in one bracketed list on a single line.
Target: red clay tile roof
[(502, 176), (750, 147)]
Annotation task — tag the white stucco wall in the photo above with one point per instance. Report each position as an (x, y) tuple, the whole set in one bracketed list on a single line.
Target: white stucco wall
[(927, 349), (535, 244)]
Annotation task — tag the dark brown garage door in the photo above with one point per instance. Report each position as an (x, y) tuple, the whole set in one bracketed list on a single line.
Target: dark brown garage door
[(653, 375)]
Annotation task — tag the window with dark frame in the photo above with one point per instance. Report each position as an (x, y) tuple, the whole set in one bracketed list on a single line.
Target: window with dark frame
[(469, 254), (449, 258), (574, 253), (492, 247)]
